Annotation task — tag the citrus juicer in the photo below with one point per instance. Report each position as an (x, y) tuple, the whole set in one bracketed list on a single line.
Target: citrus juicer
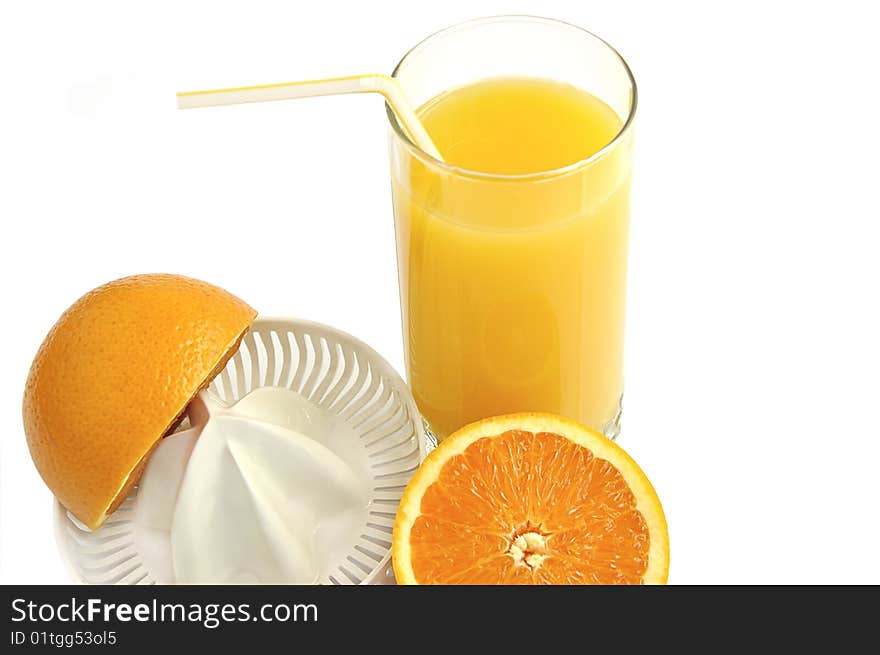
[(307, 438)]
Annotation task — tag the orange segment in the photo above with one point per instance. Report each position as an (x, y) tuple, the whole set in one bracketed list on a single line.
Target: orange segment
[(530, 499)]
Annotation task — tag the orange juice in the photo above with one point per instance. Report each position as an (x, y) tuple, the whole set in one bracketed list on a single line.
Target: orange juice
[(512, 254)]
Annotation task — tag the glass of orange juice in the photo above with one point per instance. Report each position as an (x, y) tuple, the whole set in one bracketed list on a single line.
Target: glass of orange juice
[(512, 251)]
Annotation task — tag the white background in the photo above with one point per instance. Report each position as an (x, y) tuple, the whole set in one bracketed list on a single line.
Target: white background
[(753, 364)]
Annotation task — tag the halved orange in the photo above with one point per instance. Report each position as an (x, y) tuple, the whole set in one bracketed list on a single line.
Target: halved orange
[(114, 374), (530, 499)]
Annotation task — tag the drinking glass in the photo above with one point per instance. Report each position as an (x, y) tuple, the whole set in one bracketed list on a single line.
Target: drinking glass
[(512, 287)]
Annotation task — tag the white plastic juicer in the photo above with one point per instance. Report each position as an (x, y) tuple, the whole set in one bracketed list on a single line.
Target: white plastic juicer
[(241, 466)]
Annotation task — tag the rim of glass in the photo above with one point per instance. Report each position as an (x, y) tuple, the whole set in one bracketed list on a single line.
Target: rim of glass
[(538, 175)]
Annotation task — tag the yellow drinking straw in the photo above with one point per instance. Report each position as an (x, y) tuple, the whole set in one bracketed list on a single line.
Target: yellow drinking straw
[(371, 83)]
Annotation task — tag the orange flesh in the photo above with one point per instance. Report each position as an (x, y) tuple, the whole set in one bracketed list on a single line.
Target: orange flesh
[(524, 508)]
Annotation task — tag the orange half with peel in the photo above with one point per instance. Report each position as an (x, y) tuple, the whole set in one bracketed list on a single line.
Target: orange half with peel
[(115, 374), (530, 499)]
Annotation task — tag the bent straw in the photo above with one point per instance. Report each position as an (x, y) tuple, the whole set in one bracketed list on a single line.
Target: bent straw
[(372, 83)]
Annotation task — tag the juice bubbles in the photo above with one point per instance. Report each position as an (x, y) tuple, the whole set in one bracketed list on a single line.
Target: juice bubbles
[(512, 253)]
